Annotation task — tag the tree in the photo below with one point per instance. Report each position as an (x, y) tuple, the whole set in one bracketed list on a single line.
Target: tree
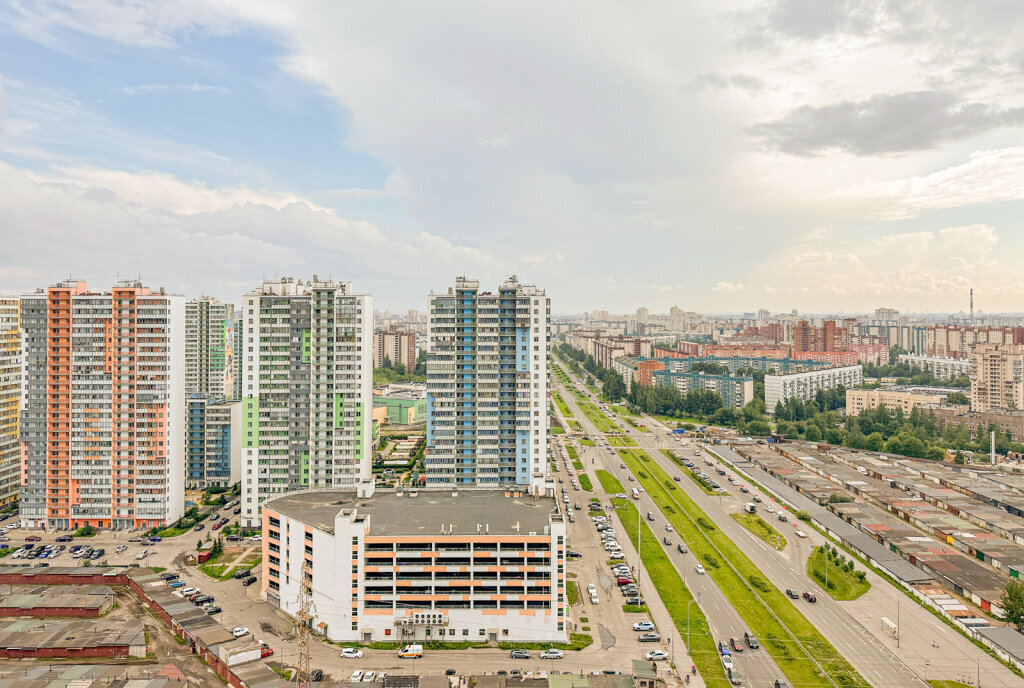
[(958, 398), (935, 454), (757, 427), (813, 433), (1012, 602)]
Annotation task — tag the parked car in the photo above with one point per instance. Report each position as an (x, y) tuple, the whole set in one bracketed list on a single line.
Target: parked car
[(356, 676), (203, 599), (552, 653), (648, 637), (351, 653), (199, 526), (168, 576), (142, 554), (189, 591), (809, 596), (656, 655), (266, 651), (369, 676), (65, 538), (519, 654), (249, 581), (33, 538), (244, 573), (239, 631), (211, 609), (643, 626), (176, 584)]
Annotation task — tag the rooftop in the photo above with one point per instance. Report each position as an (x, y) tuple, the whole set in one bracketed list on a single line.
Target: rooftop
[(463, 512)]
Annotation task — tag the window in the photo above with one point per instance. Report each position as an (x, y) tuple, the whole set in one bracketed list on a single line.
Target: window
[(465, 631), (481, 631)]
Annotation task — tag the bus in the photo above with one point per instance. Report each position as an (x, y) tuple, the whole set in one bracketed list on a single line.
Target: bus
[(636, 493)]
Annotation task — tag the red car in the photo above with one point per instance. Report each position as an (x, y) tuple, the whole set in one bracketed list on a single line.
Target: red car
[(737, 646), (216, 526), (33, 538), (265, 650)]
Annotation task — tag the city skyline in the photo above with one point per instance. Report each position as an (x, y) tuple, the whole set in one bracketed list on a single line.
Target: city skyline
[(781, 154)]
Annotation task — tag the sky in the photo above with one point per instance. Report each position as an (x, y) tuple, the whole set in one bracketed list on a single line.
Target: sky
[(727, 156)]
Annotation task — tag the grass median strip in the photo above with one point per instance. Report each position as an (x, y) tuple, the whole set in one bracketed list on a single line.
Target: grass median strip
[(585, 482), (768, 613), (675, 595), (609, 482), (595, 416), (843, 582), (762, 529), (571, 451), (621, 441), (563, 408)]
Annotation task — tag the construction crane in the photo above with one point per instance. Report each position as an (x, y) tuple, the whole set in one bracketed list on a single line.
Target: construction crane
[(303, 617)]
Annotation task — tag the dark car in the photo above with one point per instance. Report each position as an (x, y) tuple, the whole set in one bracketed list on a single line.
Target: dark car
[(792, 594), (809, 596), (98, 553), (233, 538), (33, 538), (249, 581), (244, 573), (316, 675), (449, 672), (168, 576), (203, 599), (572, 554), (199, 526), (648, 637), (212, 610), (64, 538), (676, 478), (751, 641), (681, 548), (154, 539), (667, 540), (238, 511)]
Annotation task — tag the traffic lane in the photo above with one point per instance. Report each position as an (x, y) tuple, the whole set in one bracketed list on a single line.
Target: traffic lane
[(723, 619), (872, 661)]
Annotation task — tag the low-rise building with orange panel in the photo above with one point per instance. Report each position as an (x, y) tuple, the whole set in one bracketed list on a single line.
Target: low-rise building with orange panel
[(426, 566)]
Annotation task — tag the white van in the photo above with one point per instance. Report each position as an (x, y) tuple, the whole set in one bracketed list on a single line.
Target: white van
[(411, 652)]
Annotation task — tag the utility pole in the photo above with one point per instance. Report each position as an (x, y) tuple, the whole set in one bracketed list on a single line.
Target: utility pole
[(899, 630), (302, 621)]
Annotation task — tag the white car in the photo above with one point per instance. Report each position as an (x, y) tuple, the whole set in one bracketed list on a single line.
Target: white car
[(256, 538), (668, 527), (700, 569), (369, 677), (239, 631), (142, 554), (120, 548), (188, 591), (769, 508), (591, 588), (356, 676), (351, 653), (727, 662), (655, 655), (552, 654)]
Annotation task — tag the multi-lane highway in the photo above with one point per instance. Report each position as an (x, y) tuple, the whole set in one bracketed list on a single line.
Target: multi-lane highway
[(876, 662)]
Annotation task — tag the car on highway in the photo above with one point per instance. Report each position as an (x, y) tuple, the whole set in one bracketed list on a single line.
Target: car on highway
[(792, 594), (769, 508), (681, 548), (667, 540), (734, 677), (809, 596), (552, 653), (648, 637), (199, 526), (643, 626), (735, 644), (727, 663), (656, 655), (351, 653), (519, 654), (751, 640), (700, 569), (668, 527), (239, 631)]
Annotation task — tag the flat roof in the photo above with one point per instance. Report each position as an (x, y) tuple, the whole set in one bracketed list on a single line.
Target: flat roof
[(459, 512)]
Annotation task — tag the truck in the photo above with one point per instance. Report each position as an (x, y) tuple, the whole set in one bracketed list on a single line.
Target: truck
[(411, 652), (750, 508), (636, 493), (782, 516), (679, 431)]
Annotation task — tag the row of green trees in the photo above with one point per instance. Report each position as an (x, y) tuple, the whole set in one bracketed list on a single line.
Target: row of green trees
[(612, 385), (397, 372), (907, 374)]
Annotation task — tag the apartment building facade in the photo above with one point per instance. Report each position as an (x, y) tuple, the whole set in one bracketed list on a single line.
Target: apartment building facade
[(10, 399), (487, 386), (213, 449), (735, 391), (103, 420), (942, 368), (307, 389), (957, 341), (471, 565), (893, 398), (804, 385), (395, 345), (211, 360), (997, 376)]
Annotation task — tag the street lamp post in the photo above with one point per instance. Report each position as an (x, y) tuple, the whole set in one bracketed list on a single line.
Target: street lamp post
[(688, 620)]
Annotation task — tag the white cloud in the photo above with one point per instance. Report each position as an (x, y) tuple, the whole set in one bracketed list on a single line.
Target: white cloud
[(727, 287), (159, 88)]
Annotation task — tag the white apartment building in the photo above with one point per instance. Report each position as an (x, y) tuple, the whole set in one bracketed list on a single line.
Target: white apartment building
[(210, 356), (997, 376), (103, 409), (470, 565), (307, 389), (892, 398), (487, 386), (804, 385), (942, 368)]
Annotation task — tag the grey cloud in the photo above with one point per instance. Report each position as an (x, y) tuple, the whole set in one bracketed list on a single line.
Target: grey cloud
[(811, 19), (883, 124), (744, 82)]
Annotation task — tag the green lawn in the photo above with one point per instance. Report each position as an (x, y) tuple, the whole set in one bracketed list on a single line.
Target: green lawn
[(574, 425), (938, 683), (560, 403), (634, 609), (587, 443), (842, 585), (609, 482), (637, 425), (571, 451), (751, 595), (596, 417), (675, 595), (762, 529), (621, 441), (577, 464), (556, 430), (585, 482), (572, 592)]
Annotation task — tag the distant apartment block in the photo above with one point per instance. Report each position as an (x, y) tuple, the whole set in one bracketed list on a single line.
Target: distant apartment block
[(997, 377), (957, 341), (942, 368), (1009, 421), (213, 449), (307, 389), (405, 404), (805, 385), (103, 419), (10, 399), (211, 358), (395, 345), (892, 398), (487, 386), (735, 391)]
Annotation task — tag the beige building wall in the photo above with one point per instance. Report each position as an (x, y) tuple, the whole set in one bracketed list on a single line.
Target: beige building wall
[(858, 400), (997, 377)]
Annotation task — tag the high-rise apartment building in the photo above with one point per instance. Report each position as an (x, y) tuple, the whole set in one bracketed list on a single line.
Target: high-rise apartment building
[(487, 386), (10, 400), (307, 390), (210, 354), (395, 345), (997, 377), (213, 453), (103, 415)]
